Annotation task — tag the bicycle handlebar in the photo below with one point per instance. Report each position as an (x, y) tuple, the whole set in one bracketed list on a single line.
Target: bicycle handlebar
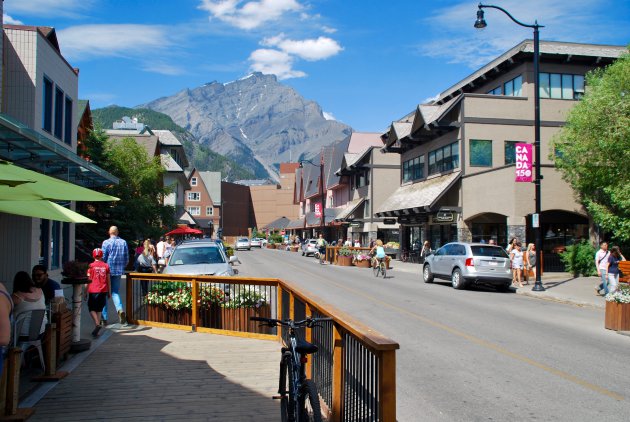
[(308, 322)]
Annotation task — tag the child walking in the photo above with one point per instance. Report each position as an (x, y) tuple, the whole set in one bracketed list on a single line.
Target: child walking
[(99, 290)]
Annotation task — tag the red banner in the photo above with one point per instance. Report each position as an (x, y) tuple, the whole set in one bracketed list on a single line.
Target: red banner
[(318, 210), (524, 158)]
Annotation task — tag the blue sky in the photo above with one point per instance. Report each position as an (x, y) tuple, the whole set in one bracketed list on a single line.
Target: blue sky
[(365, 62)]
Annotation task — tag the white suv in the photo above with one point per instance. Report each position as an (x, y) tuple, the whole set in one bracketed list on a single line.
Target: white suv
[(309, 247)]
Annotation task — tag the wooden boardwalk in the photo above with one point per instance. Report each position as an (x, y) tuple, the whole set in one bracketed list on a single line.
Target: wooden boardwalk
[(155, 374)]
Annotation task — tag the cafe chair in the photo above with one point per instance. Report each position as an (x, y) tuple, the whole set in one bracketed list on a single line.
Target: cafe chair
[(34, 320)]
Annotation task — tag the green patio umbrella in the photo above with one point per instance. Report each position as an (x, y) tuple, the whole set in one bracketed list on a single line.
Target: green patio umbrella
[(41, 208), (39, 186)]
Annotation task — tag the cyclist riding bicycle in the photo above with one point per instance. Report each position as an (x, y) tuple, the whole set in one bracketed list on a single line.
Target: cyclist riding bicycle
[(379, 253)]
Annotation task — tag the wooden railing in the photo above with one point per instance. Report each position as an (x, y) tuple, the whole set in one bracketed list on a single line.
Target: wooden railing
[(354, 369)]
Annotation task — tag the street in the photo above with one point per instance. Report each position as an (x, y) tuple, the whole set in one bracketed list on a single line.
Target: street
[(473, 354)]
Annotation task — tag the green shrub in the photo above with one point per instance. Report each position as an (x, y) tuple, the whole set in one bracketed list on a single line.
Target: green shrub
[(276, 238), (579, 259), (344, 251)]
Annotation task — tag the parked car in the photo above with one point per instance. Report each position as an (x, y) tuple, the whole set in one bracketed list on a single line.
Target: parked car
[(242, 243), (309, 247), (469, 263), (255, 242), (200, 257)]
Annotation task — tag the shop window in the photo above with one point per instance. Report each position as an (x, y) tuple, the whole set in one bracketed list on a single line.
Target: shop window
[(67, 133), (561, 86), (480, 153), (413, 169), (47, 106), (510, 152), (514, 87), (59, 103), (444, 159)]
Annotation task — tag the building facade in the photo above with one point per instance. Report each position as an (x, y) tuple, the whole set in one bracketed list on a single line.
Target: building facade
[(457, 153), (203, 200)]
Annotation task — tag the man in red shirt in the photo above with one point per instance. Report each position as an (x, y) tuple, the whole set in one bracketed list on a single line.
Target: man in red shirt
[(99, 290)]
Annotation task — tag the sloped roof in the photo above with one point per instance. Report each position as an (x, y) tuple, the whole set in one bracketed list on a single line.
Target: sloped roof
[(278, 223), (212, 181), (166, 137), (296, 224), (336, 157), (311, 177), (170, 164), (349, 208), (329, 214), (148, 142), (418, 195), (360, 140)]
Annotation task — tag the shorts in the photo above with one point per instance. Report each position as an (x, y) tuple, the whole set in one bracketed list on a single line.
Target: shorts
[(97, 301)]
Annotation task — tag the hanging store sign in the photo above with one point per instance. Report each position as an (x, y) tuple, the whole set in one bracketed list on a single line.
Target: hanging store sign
[(389, 221), (524, 162), (318, 210), (443, 217)]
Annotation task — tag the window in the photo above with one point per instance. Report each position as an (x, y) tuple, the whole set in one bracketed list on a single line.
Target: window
[(495, 91), (444, 159), (194, 196), (413, 169), (561, 86), (510, 152), (361, 179), (480, 153), (514, 87), (209, 211), (367, 213), (47, 106), (58, 113), (194, 210), (193, 181), (67, 133)]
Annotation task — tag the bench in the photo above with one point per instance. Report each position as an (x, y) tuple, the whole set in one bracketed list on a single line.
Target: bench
[(624, 266)]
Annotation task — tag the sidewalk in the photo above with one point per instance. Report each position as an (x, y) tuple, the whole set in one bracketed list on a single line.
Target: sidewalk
[(560, 287)]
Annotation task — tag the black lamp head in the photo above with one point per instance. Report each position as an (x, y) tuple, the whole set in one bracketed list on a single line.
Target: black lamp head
[(480, 23), (301, 165)]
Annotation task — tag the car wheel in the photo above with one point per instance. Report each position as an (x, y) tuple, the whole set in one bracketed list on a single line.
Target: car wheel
[(457, 281), (302, 253), (427, 275)]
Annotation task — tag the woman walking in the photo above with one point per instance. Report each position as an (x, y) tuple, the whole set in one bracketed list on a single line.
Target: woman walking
[(613, 268), (516, 255), (530, 262)]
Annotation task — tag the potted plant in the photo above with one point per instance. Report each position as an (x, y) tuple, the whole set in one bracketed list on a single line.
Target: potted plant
[(618, 310), (362, 260), (170, 303), (244, 303), (344, 257)]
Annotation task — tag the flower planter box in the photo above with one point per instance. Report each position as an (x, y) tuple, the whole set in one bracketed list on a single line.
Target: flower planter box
[(617, 316), (157, 313), (211, 317), (344, 261), (271, 246), (362, 264), (237, 319), (294, 248)]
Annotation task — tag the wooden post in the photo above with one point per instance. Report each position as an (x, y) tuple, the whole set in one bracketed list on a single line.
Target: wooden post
[(129, 298), (291, 306), (195, 305), (309, 338), (387, 385), (14, 360), (50, 356), (337, 381)]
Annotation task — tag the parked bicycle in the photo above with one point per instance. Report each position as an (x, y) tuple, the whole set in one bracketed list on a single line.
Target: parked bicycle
[(380, 267), (299, 399)]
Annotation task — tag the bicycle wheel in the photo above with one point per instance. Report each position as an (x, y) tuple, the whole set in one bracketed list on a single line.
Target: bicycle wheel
[(384, 269), (284, 409), (286, 387), (376, 268), (308, 403)]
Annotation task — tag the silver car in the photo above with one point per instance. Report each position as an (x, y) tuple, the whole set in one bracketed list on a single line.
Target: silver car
[(255, 242), (309, 247), (200, 257), (469, 263), (242, 243)]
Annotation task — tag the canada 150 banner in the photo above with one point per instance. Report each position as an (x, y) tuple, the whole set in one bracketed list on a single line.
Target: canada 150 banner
[(524, 167)]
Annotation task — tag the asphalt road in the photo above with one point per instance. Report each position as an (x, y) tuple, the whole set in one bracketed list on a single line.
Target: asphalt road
[(476, 354)]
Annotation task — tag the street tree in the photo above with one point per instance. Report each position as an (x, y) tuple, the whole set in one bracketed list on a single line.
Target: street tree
[(140, 212), (593, 150)]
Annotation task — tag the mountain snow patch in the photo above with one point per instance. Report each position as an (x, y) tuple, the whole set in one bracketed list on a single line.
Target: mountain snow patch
[(328, 116)]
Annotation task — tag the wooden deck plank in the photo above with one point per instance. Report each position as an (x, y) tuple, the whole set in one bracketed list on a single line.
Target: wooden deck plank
[(162, 374)]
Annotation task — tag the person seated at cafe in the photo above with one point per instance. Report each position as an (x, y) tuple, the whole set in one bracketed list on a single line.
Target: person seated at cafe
[(40, 279), (27, 297)]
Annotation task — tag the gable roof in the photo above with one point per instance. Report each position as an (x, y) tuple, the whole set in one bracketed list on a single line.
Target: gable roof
[(212, 182), (166, 137)]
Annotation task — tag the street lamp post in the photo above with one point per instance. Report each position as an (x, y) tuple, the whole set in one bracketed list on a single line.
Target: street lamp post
[(480, 23), (321, 189)]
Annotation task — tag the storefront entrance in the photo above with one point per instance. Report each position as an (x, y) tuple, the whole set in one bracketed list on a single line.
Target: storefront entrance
[(489, 226)]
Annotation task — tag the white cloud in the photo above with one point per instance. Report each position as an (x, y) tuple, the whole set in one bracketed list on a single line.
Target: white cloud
[(310, 49), (163, 68), (450, 33), (274, 62), (48, 8), (249, 14), (10, 21), (112, 40), (329, 30)]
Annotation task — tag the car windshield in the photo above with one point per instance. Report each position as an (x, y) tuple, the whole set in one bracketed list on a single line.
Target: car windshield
[(492, 251), (243, 240), (197, 255)]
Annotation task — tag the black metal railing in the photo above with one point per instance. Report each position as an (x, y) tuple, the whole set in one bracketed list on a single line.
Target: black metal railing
[(361, 382)]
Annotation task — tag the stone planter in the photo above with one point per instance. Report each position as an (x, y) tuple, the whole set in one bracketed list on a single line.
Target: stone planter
[(269, 246), (237, 319), (363, 264), (617, 316), (344, 260)]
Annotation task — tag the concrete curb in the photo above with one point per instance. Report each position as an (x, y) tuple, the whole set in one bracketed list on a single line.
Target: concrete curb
[(568, 301)]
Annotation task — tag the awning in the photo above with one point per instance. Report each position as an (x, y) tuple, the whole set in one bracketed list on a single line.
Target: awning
[(329, 214), (296, 224), (30, 149), (41, 208), (279, 223), (349, 209), (421, 195)]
